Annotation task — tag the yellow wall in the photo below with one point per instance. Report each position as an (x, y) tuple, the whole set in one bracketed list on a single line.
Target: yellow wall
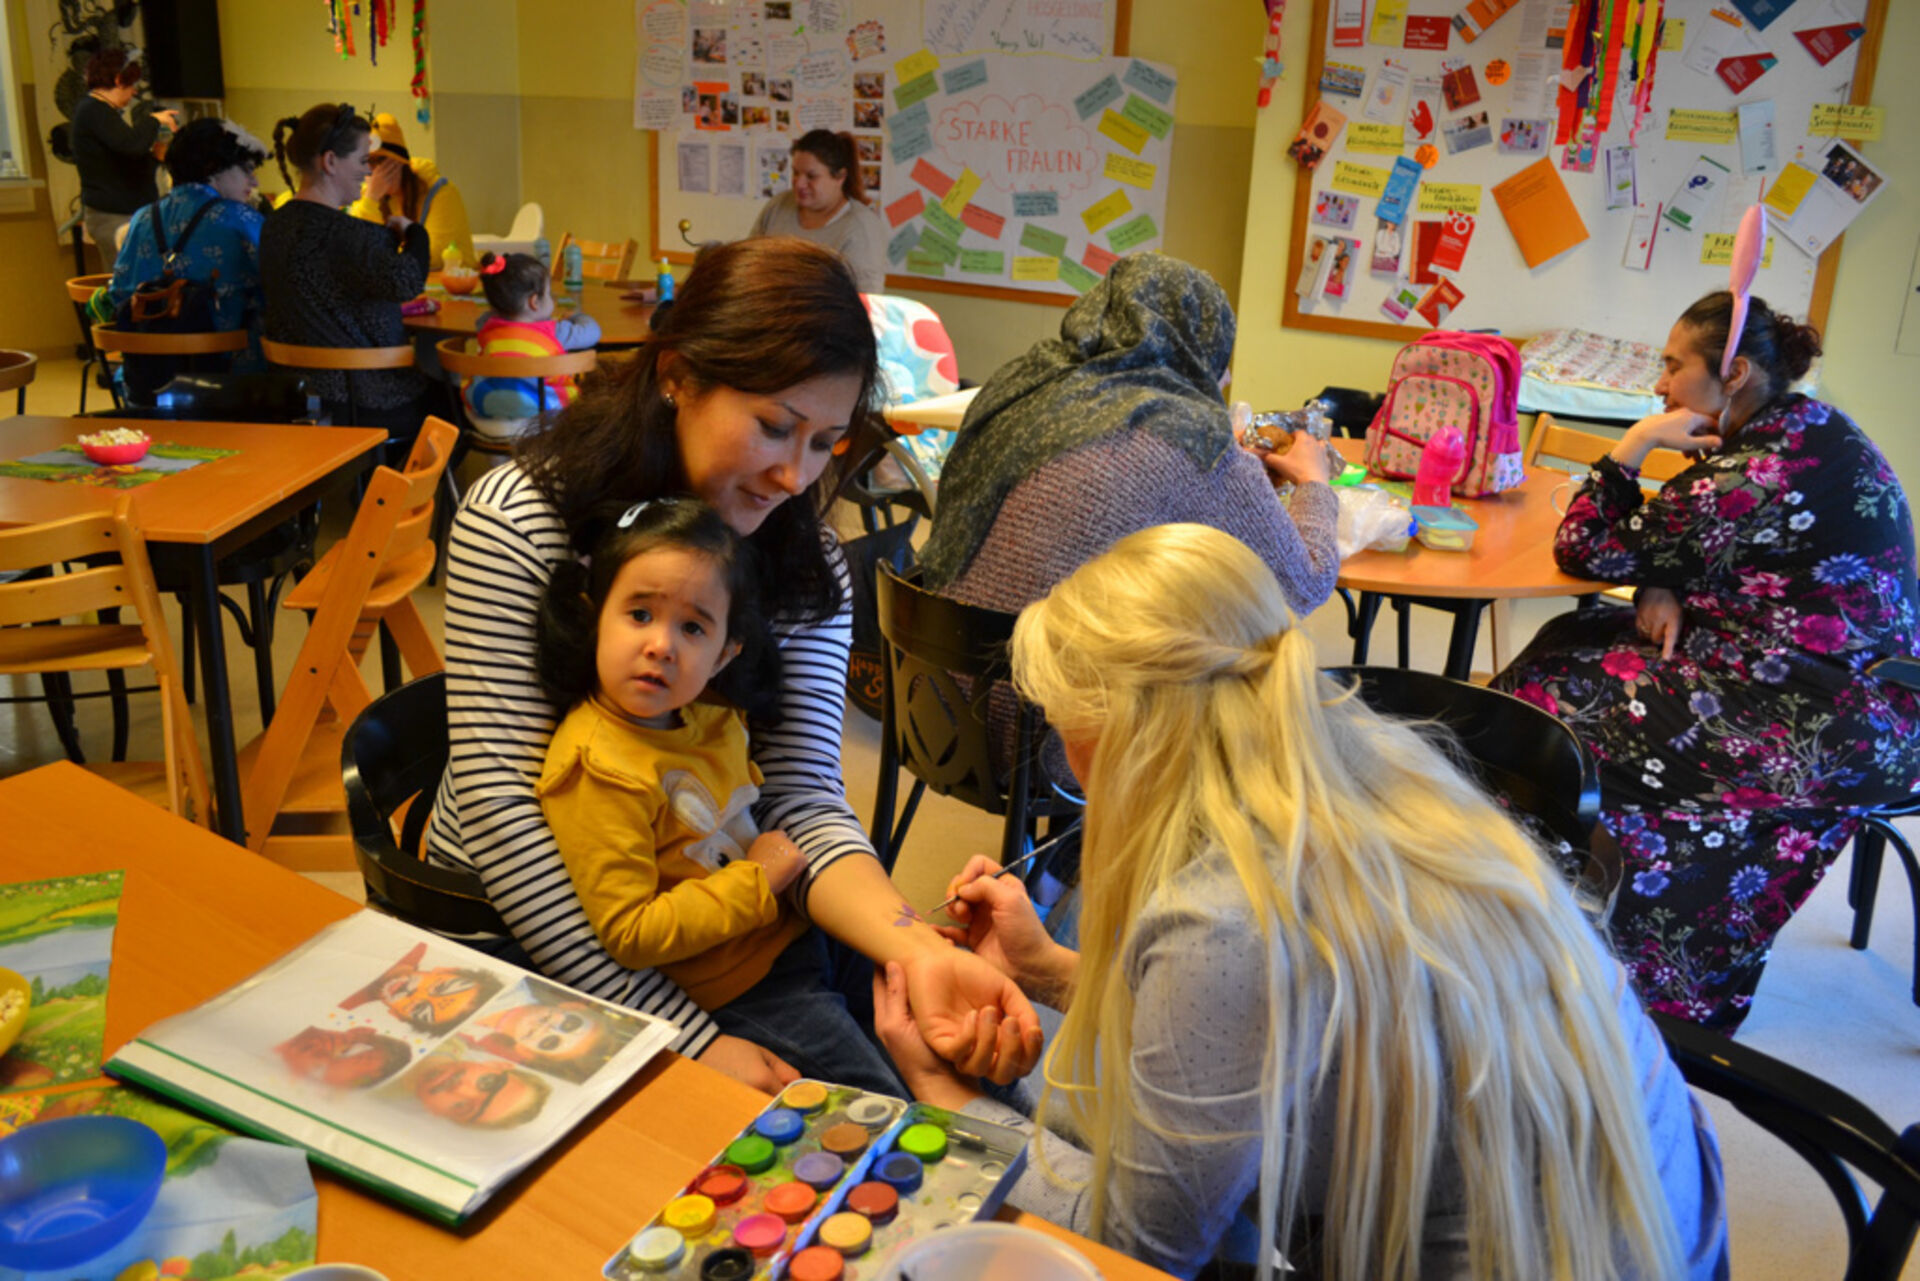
[(1863, 375), (33, 265)]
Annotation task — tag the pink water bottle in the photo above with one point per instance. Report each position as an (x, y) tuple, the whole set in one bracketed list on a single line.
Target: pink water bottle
[(1440, 461)]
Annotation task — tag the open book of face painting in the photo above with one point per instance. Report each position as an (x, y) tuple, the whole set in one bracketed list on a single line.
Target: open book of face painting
[(428, 1071)]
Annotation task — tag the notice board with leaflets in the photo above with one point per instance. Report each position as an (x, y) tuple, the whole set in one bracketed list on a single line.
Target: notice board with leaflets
[(1522, 165)]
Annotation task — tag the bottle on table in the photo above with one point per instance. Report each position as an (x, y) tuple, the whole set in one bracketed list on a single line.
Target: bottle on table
[(544, 252), (664, 282), (574, 269), (1440, 462)]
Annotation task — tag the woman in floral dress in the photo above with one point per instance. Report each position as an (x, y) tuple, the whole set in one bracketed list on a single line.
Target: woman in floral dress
[(1738, 732)]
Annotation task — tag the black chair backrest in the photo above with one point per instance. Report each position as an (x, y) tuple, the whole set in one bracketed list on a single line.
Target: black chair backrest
[(1518, 752), (395, 752), (1834, 1132), (944, 661)]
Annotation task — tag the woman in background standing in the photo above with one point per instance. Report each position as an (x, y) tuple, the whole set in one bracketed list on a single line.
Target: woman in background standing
[(115, 159)]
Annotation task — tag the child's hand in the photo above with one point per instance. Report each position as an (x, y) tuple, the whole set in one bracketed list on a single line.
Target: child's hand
[(779, 856)]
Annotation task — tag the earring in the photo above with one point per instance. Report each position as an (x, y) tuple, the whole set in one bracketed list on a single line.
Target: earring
[(671, 402)]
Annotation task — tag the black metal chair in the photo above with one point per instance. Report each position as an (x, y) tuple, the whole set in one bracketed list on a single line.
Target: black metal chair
[(942, 663), (1833, 1132), (890, 515), (1529, 759), (1869, 847), (394, 753)]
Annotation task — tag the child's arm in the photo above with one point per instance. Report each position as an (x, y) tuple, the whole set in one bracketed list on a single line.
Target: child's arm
[(606, 838), (577, 333)]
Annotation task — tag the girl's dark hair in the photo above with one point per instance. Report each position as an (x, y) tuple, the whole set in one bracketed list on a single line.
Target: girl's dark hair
[(568, 632), (836, 151), (301, 140), (206, 147), (1782, 349), (759, 317), (520, 279), (111, 69)]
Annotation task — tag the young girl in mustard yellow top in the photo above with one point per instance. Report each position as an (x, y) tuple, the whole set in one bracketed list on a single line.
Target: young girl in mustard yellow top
[(648, 789)]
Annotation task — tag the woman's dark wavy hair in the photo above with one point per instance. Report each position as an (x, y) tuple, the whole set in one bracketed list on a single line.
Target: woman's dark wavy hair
[(1781, 348), (759, 317), (113, 69), (206, 147), (837, 152), (299, 140), (567, 635)]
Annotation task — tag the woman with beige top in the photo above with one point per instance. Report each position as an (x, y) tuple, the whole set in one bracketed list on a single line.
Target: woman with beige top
[(826, 205)]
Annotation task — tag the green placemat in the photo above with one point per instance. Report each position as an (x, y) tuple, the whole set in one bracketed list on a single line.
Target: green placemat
[(69, 464)]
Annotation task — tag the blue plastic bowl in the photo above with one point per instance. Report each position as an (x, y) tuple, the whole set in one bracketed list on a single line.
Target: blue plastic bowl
[(72, 1189)]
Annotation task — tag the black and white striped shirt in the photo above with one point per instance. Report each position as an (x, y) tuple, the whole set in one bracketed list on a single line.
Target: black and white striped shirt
[(506, 540)]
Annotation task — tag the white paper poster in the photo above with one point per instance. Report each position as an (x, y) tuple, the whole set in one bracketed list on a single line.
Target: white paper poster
[(1070, 29), (695, 166), (730, 169)]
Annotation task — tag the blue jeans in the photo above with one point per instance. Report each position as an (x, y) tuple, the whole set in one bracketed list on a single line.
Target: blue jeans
[(795, 1013)]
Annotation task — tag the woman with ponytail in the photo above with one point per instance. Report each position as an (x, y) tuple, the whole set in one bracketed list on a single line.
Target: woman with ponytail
[(827, 204), (1326, 984), (1739, 734)]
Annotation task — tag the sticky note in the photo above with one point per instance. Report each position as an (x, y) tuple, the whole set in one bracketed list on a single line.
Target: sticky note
[(911, 91), (1104, 92), (1135, 173), (1789, 189), (1147, 116), (1716, 250), (1131, 235), (1098, 259), (902, 244), (968, 75), (918, 116), (1123, 131), (908, 206), (1105, 210), (921, 263), (1038, 238), (1036, 204), (984, 221), (1036, 269), (1685, 124), (1449, 197), (1840, 120), (1673, 35), (983, 262), (930, 178), (1155, 84), (921, 62), (1365, 135), (1079, 277), (940, 246), (1361, 180), (911, 144), (945, 223), (961, 192)]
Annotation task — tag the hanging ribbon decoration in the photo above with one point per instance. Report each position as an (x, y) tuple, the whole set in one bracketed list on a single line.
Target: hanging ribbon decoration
[(423, 115)]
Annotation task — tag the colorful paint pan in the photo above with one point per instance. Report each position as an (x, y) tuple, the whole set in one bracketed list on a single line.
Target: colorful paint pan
[(760, 1234), (752, 1153), (808, 1097), (848, 1233), (791, 1201), (845, 1140), (723, 1184), (689, 1215), (926, 1141), (657, 1250), (876, 1202), (819, 1170), (780, 1126), (728, 1265), (817, 1263), (901, 1171), (873, 1112)]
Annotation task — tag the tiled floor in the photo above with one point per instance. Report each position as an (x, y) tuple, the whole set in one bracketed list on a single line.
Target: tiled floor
[(1843, 1015)]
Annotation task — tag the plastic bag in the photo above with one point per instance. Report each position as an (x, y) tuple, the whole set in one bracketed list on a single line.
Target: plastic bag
[(1371, 519)]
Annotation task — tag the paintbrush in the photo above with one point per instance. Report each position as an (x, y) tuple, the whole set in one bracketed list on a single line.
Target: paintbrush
[(1045, 847)]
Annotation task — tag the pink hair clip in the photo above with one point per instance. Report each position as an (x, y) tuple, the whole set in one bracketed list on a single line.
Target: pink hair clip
[(1748, 244), (494, 268)]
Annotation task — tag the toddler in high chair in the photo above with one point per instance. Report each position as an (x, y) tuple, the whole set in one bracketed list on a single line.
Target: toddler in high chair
[(648, 788), (520, 323)]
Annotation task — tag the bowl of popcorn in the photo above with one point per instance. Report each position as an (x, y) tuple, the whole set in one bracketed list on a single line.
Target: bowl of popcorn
[(116, 445), (15, 997), (459, 280)]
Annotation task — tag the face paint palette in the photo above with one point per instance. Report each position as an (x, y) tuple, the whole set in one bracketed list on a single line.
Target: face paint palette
[(933, 1169), (741, 1215)]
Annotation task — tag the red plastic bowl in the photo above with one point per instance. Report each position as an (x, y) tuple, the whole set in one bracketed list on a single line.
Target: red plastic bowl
[(116, 455)]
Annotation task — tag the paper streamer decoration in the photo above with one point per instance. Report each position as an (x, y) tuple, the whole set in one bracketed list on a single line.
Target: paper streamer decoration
[(1748, 242), (423, 115)]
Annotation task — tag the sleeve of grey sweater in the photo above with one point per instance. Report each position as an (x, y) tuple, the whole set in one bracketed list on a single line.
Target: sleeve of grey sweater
[(1193, 1155)]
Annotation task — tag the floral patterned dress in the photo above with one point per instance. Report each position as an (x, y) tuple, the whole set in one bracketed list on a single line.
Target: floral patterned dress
[(1733, 773)]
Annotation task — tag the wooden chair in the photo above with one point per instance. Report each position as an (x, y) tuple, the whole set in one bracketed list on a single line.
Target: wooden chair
[(190, 350), (364, 582), (390, 765), (345, 359), (80, 292), (1551, 440), (600, 259), (17, 369), (111, 573)]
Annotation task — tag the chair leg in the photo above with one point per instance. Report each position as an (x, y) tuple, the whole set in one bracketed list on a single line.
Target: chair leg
[(1403, 629), (186, 648), (1360, 625), (906, 815), (390, 674), (1863, 882), (261, 630), (122, 714), (58, 688)]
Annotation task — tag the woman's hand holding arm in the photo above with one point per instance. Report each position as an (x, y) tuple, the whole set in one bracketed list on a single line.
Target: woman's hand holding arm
[(1680, 429), (930, 1078), (998, 923)]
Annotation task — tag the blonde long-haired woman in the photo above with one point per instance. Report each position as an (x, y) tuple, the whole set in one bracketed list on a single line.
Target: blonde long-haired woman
[(1326, 983)]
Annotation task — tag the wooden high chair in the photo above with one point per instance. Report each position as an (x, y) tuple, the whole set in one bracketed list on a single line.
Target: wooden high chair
[(600, 259), (366, 580), (17, 369), (80, 292), (35, 639)]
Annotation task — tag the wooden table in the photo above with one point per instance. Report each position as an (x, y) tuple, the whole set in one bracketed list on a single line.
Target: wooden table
[(1511, 558), (193, 519), (622, 323), (198, 915)]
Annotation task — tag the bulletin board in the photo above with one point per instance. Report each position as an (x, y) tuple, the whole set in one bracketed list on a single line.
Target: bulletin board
[(1598, 272), (1009, 154)]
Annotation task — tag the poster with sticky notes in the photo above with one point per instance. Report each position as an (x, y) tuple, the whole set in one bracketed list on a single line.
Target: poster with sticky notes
[(1599, 152)]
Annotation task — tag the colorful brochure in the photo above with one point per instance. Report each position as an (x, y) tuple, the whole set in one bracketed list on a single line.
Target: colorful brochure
[(1539, 212)]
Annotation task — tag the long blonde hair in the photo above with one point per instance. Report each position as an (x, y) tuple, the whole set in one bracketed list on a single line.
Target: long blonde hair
[(1421, 954)]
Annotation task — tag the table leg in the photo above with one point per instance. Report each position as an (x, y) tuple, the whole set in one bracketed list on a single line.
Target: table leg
[(1360, 625), (1500, 633), (1466, 631), (217, 699)]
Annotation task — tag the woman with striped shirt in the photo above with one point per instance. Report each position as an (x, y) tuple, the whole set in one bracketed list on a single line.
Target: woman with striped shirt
[(755, 388)]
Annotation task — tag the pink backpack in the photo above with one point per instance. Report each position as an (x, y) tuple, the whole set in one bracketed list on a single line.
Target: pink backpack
[(1469, 381)]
